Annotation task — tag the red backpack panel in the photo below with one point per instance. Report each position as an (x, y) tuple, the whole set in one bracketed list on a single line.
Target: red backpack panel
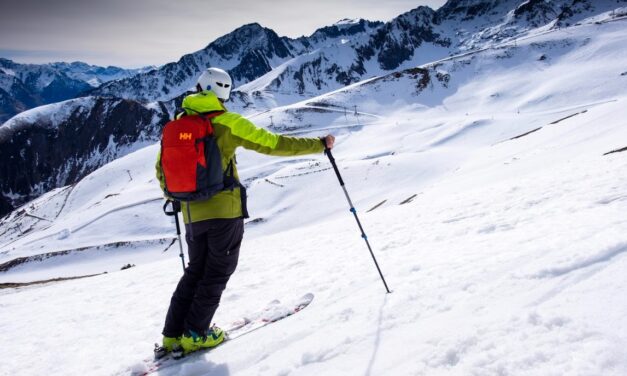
[(190, 158)]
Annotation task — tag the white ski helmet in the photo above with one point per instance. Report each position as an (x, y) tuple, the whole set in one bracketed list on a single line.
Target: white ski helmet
[(218, 81)]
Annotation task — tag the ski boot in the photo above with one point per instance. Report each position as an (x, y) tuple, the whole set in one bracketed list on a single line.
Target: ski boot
[(170, 345), (192, 341)]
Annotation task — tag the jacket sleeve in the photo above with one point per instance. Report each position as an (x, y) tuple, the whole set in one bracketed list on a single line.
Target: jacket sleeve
[(247, 135), (159, 172)]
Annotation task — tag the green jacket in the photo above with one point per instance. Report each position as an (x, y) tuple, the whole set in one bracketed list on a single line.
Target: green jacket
[(231, 131)]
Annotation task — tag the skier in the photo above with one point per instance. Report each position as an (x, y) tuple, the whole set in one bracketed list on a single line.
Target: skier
[(216, 227)]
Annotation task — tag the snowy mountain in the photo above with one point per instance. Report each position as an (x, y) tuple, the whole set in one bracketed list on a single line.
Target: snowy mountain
[(414, 38), (25, 86), (276, 71), (490, 184), (247, 53)]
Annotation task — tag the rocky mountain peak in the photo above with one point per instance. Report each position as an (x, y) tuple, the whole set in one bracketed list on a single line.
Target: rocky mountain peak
[(249, 37), (470, 9), (421, 16), (342, 28)]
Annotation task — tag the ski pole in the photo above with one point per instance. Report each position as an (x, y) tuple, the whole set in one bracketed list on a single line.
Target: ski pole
[(327, 151), (176, 208)]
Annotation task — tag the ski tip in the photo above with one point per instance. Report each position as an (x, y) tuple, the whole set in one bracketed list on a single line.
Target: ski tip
[(306, 299)]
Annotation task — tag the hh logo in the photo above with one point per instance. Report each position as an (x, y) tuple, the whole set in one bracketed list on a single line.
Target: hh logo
[(185, 136)]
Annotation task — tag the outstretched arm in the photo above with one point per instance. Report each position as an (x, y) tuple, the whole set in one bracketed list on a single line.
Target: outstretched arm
[(247, 135)]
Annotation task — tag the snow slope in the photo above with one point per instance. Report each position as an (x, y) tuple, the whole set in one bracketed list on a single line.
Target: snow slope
[(501, 232)]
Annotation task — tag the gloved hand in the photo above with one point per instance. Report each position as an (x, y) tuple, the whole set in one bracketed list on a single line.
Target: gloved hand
[(328, 141)]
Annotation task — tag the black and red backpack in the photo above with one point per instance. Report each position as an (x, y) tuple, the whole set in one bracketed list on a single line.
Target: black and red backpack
[(190, 158)]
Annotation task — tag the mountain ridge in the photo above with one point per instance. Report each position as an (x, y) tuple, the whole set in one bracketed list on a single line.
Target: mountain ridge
[(26, 86)]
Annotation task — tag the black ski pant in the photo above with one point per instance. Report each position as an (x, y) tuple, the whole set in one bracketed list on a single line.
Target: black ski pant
[(213, 254)]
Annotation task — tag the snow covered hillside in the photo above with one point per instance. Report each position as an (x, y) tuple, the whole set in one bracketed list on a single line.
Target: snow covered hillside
[(57, 145), (491, 185)]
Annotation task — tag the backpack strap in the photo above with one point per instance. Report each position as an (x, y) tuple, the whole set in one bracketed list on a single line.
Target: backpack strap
[(229, 177), (230, 182)]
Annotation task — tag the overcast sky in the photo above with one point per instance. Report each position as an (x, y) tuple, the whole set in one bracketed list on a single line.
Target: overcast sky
[(133, 33)]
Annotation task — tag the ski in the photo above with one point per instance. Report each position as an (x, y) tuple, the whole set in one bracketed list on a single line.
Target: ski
[(273, 312)]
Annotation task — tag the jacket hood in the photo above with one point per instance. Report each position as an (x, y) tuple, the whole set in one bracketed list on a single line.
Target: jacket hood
[(205, 101)]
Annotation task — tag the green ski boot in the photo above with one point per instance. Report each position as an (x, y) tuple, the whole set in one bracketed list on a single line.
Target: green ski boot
[(169, 345), (192, 341)]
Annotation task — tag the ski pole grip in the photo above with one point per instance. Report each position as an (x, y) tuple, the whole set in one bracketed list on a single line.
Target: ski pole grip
[(176, 207), (165, 208)]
